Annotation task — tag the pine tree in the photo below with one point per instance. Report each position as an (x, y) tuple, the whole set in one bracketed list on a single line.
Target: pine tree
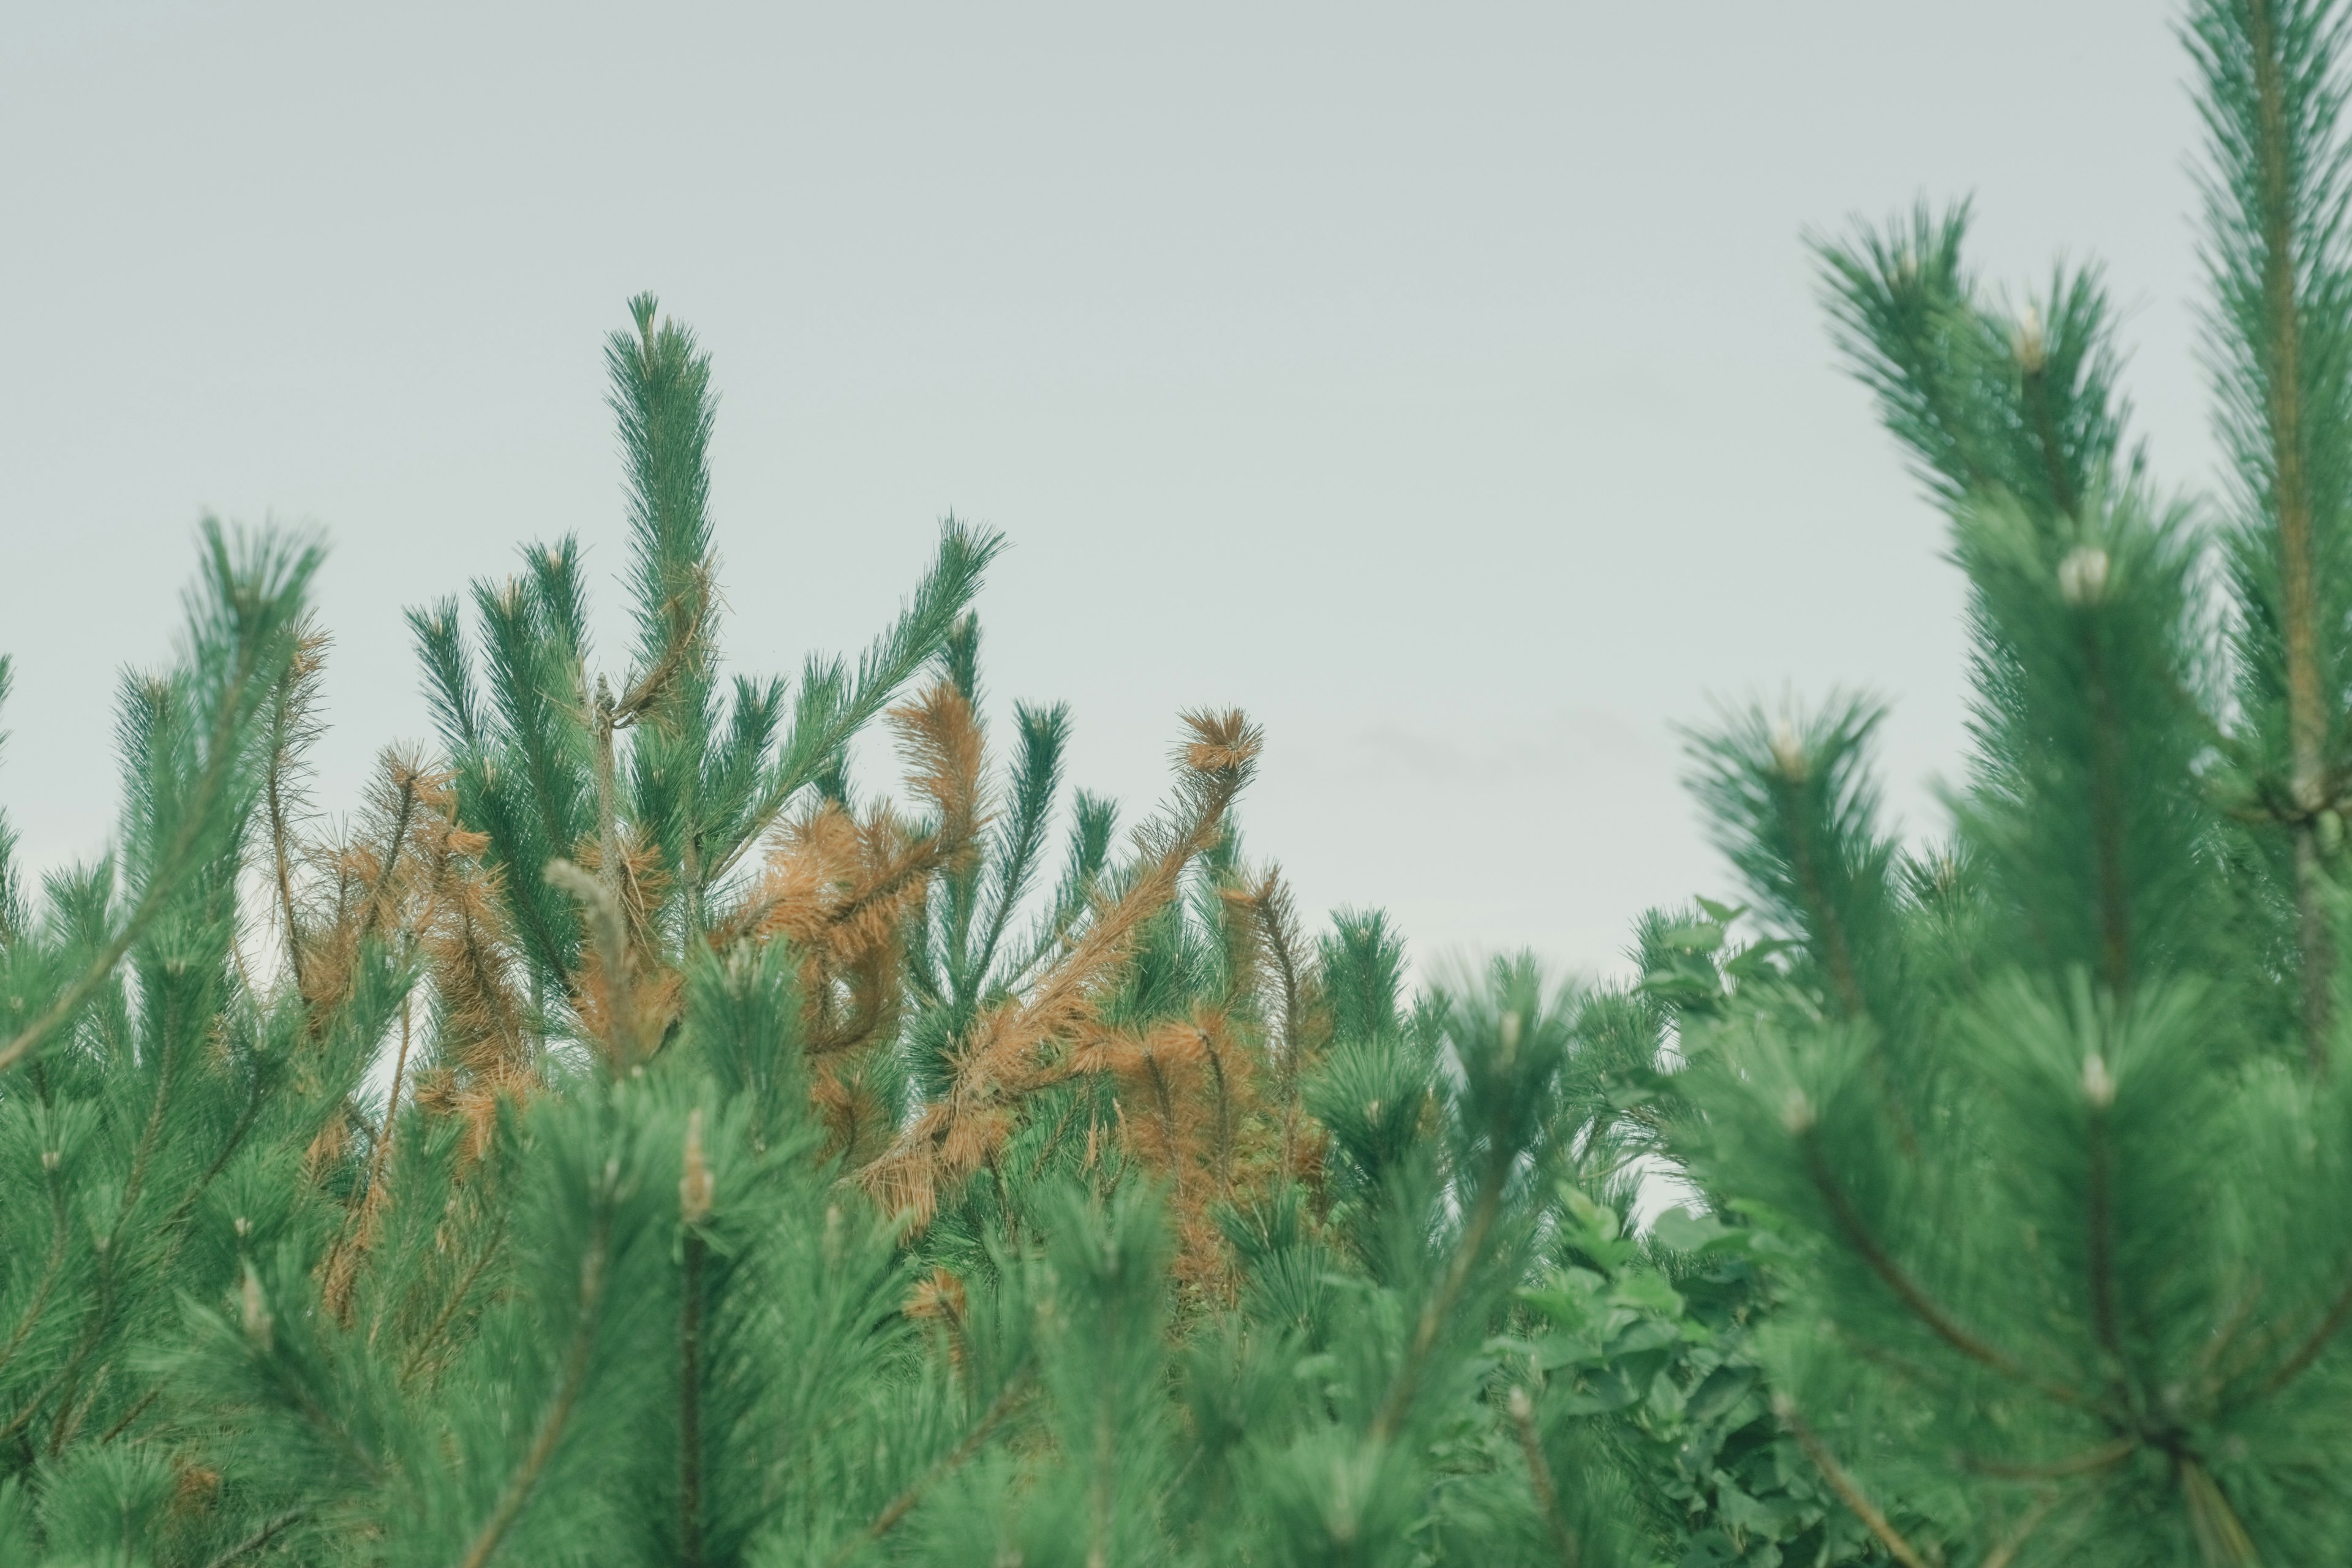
[(630, 1137), (2040, 1127), (623, 1139)]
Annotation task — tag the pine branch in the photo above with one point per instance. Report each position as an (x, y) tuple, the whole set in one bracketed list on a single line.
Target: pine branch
[(2220, 1534), (608, 924), (430, 1339), (2108, 785), (695, 1195), (162, 885), (975, 1439), (1043, 735), (124, 1422), (269, 1531), (290, 732), (689, 1405), (1276, 919), (2099, 1090), (1467, 1255), (835, 705), (1843, 1485), (571, 1381), (2275, 201), (1891, 1274), (2005, 1551), (338, 1273), (2323, 1333), (260, 601), (58, 1232), (2306, 709), (1522, 1410), (2088, 1462), (372, 911), (2307, 723), (1828, 930)]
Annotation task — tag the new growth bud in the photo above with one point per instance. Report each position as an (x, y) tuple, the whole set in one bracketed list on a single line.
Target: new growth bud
[(1797, 1113), (695, 1188), (2098, 1084), (2082, 575), (1789, 752), (2032, 355)]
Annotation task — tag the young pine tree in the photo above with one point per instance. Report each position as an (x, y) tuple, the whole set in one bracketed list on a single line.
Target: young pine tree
[(620, 1141), (2050, 1122)]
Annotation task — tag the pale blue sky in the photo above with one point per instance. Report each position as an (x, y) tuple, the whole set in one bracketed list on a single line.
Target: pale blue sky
[(1442, 384)]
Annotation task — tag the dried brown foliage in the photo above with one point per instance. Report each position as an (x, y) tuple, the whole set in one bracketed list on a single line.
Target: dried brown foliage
[(842, 888), (1189, 1110), (1200, 1100), (625, 996), (406, 876), (406, 873), (1056, 1030)]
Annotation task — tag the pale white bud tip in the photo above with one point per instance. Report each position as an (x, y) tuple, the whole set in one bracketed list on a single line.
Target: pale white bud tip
[(1522, 1406), (1789, 752), (1797, 1113), (49, 1159), (1510, 1032), (2098, 1083), (2082, 575), (2029, 351)]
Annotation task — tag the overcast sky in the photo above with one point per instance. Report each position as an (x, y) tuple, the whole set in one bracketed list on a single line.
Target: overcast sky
[(1443, 385)]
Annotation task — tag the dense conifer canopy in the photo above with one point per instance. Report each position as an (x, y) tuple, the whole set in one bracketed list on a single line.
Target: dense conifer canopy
[(626, 1137)]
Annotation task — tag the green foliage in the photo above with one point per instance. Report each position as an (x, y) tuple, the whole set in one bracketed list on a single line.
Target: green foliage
[(2056, 1271), (625, 1140), (492, 1180), (556, 758)]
